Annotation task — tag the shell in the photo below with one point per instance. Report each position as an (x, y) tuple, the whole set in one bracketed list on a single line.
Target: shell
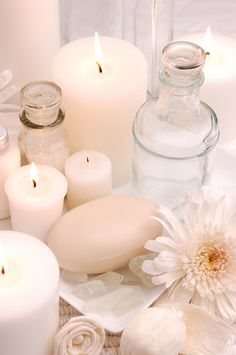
[(103, 234), (206, 334), (155, 331)]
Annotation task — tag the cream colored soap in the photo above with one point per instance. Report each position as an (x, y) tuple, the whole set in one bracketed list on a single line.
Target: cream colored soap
[(103, 234)]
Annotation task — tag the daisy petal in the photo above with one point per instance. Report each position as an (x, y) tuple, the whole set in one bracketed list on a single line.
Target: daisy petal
[(149, 267), (167, 278), (161, 243)]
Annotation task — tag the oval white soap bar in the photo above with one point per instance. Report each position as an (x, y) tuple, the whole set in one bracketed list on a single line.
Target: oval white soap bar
[(103, 234)]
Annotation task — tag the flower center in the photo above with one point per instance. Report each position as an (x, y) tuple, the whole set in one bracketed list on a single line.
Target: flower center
[(211, 259), (205, 268)]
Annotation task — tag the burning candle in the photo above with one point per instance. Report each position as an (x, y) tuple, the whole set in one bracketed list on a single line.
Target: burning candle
[(36, 198), (219, 87), (29, 312), (89, 177), (102, 92)]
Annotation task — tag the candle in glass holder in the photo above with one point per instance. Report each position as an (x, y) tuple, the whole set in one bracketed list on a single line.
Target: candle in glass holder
[(89, 177), (36, 198), (29, 296)]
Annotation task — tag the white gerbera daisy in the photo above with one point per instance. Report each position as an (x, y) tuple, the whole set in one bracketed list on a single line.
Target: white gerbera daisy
[(197, 259)]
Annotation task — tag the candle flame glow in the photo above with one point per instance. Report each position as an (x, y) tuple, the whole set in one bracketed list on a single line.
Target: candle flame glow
[(2, 261), (98, 53), (207, 45), (34, 174)]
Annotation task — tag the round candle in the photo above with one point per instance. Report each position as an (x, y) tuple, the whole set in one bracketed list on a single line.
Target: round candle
[(219, 87), (29, 309), (89, 177), (36, 202), (101, 97)]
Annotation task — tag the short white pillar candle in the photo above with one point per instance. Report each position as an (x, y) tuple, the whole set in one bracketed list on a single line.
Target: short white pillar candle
[(89, 177), (35, 202), (29, 307)]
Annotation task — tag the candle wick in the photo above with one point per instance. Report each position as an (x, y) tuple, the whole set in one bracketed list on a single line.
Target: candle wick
[(3, 270), (34, 183), (87, 160), (99, 67), (208, 53)]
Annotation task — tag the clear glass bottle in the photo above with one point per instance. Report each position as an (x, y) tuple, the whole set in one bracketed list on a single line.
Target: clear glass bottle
[(175, 134), (42, 138)]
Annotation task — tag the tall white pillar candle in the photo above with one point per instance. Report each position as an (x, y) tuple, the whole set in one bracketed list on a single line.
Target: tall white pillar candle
[(29, 309), (219, 87), (29, 37), (35, 203), (101, 97), (89, 177)]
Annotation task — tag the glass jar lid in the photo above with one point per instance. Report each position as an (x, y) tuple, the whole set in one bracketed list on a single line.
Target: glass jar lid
[(41, 102), (183, 56)]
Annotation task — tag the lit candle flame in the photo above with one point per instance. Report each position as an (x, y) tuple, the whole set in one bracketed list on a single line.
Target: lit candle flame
[(207, 45), (34, 174), (98, 53), (2, 261)]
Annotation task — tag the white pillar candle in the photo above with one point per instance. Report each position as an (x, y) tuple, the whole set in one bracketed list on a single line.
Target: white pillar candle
[(27, 46), (89, 177), (35, 202), (101, 106), (29, 309), (219, 87)]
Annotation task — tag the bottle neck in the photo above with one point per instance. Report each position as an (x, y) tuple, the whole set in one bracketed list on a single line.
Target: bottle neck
[(179, 92), (42, 116)]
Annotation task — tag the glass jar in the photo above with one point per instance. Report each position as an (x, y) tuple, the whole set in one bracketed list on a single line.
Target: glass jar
[(42, 138), (175, 134)]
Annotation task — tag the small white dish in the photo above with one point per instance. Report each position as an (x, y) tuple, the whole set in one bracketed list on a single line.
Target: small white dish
[(111, 322)]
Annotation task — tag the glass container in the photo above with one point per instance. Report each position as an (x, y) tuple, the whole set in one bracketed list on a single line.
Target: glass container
[(175, 135), (42, 138), (148, 24)]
